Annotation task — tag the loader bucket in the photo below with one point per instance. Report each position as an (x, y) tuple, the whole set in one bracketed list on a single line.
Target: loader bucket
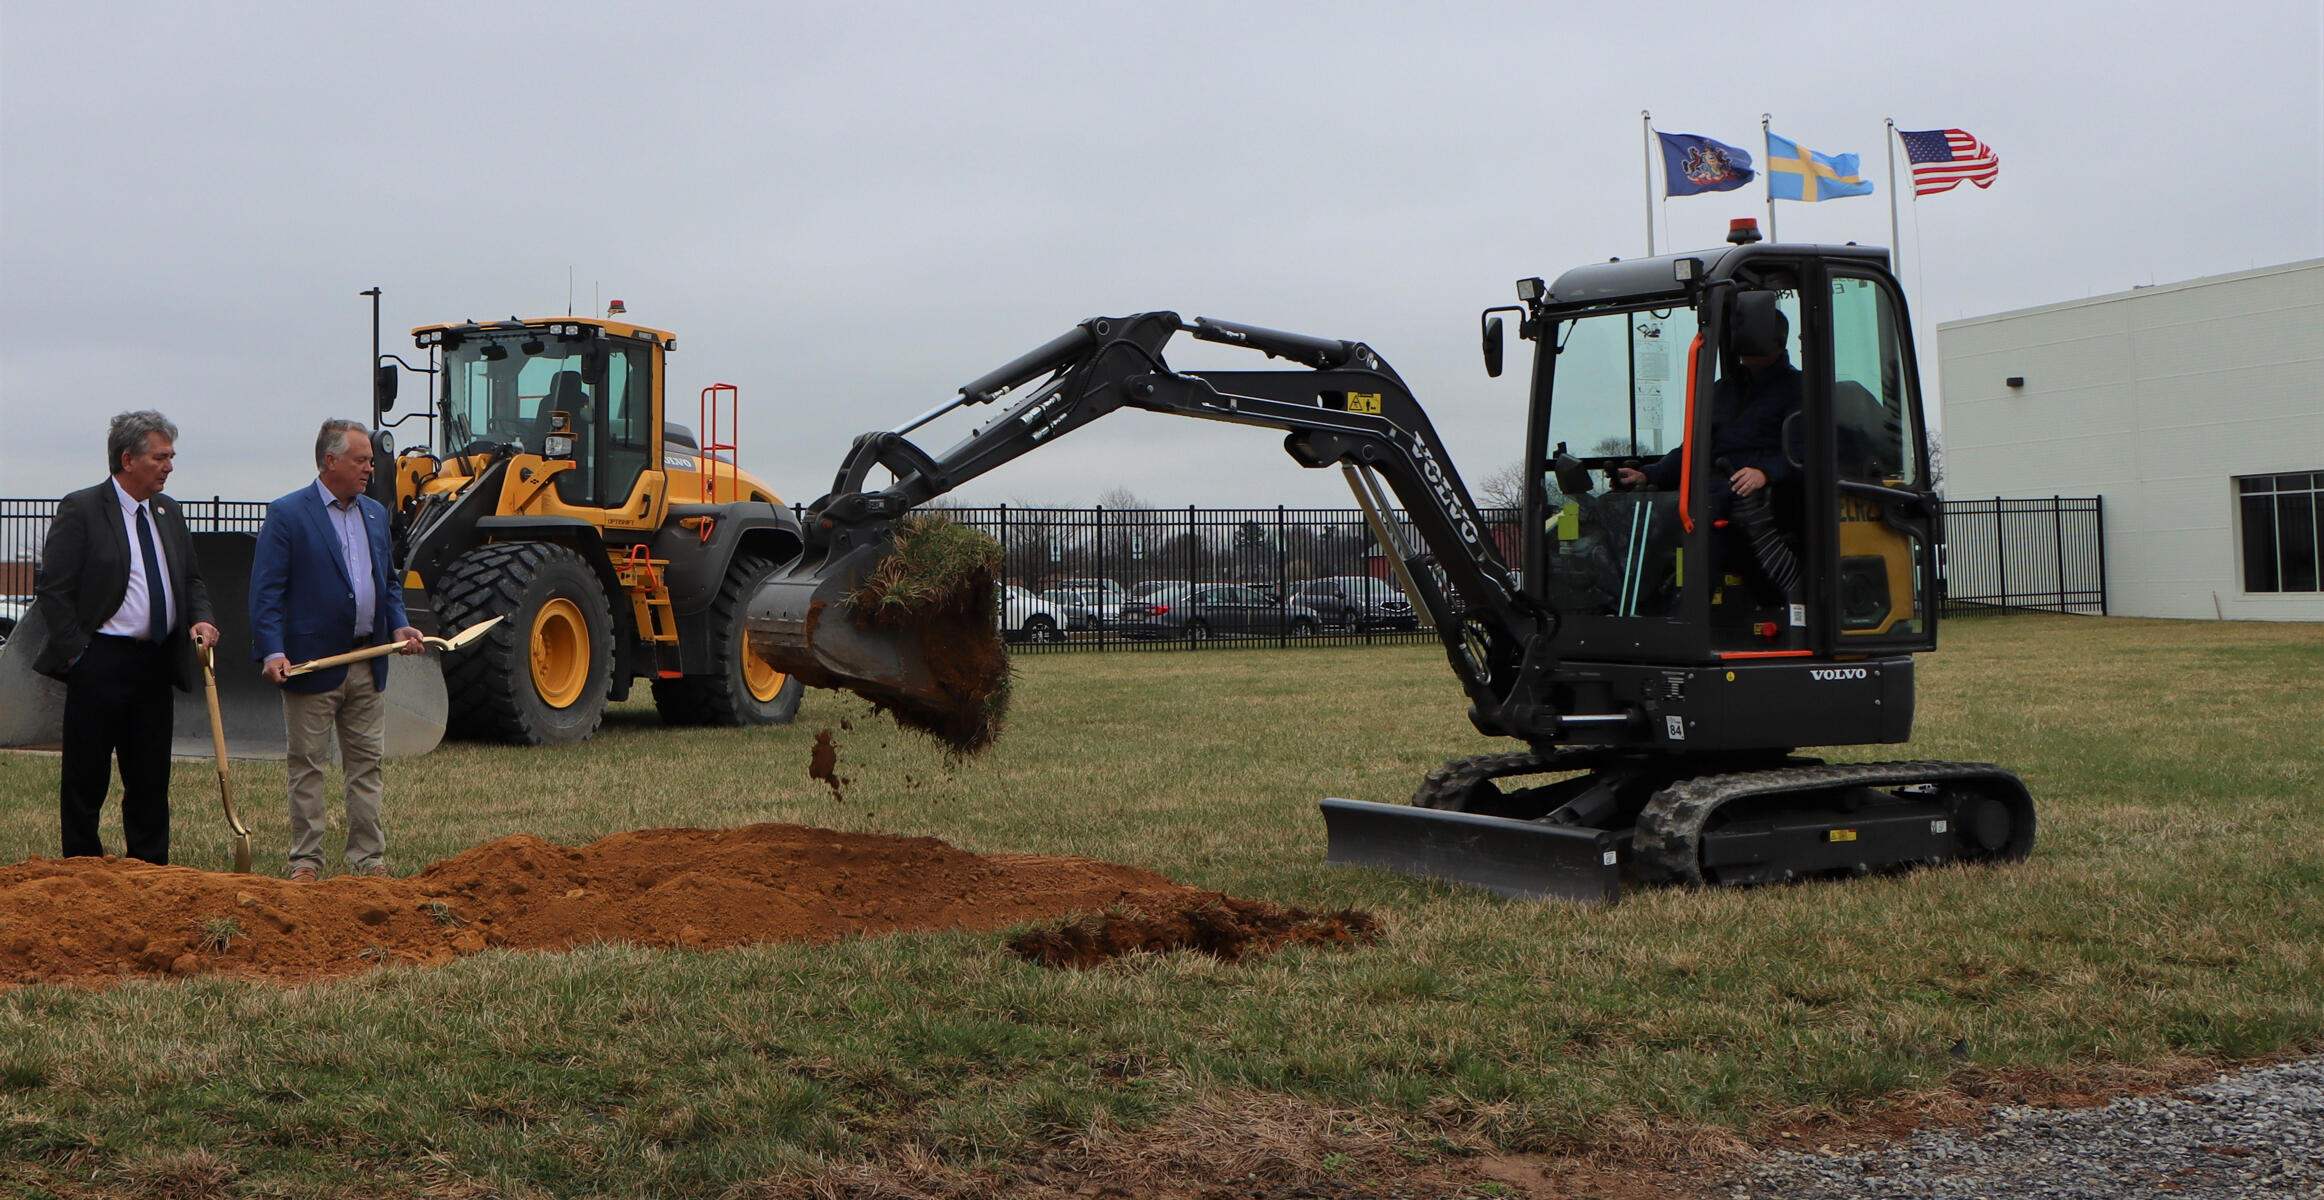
[(903, 618), (32, 706), (1518, 859)]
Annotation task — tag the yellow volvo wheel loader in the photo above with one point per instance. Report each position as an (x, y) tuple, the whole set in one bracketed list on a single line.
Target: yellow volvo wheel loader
[(1727, 552), (615, 543)]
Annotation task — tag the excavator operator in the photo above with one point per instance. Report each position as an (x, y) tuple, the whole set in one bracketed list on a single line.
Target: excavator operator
[(1748, 411)]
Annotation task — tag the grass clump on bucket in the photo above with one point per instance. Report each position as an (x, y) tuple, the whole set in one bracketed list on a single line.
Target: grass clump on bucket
[(939, 584)]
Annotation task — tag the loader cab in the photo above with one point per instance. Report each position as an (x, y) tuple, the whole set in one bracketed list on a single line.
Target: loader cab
[(1655, 381), (584, 395)]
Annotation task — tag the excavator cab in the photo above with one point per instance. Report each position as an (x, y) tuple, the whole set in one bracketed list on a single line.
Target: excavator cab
[(1651, 397)]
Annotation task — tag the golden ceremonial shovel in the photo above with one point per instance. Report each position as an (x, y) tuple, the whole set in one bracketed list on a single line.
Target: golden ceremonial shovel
[(454, 642), (225, 787)]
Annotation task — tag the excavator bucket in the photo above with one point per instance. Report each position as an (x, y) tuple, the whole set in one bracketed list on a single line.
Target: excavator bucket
[(903, 617), (32, 706), (1519, 859)]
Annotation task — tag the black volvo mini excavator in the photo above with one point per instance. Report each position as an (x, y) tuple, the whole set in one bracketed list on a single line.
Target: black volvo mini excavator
[(1726, 552)]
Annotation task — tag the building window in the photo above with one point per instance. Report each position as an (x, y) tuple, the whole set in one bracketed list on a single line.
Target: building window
[(2280, 531)]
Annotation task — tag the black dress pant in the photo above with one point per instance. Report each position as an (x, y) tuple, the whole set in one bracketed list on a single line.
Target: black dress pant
[(117, 703)]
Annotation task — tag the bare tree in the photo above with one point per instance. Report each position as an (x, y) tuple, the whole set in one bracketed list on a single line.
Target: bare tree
[(1504, 488)]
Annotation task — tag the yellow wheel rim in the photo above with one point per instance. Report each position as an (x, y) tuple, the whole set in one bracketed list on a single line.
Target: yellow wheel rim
[(762, 680), (560, 652)]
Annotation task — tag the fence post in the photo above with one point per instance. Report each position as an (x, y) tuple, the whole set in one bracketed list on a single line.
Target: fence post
[(2098, 510), (2001, 550), (1282, 587), (1098, 612), (2058, 533)]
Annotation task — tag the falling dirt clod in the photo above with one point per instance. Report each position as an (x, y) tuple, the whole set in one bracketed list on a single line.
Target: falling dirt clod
[(823, 765)]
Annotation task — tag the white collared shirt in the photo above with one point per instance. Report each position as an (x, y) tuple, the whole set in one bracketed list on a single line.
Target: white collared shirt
[(355, 549), (130, 620)]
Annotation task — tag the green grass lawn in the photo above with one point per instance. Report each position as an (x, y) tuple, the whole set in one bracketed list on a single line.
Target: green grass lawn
[(2172, 914)]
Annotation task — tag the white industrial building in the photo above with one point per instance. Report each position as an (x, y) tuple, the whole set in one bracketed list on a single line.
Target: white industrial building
[(2196, 410)]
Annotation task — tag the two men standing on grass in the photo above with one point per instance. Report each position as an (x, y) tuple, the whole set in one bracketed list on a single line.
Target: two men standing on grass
[(323, 582)]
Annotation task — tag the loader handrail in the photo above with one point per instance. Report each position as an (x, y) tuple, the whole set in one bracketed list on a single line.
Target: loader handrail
[(1348, 407)]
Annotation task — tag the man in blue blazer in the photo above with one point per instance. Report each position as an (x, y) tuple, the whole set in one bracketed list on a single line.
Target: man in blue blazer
[(321, 583)]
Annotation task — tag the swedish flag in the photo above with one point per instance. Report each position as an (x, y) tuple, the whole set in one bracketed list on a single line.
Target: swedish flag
[(1795, 172)]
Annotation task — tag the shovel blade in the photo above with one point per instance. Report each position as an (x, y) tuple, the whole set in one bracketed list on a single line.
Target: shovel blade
[(1518, 859)]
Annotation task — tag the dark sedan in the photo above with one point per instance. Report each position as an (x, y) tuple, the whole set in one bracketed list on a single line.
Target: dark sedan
[(1357, 602), (1215, 610)]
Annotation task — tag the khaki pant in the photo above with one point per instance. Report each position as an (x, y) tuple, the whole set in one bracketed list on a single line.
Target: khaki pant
[(355, 711)]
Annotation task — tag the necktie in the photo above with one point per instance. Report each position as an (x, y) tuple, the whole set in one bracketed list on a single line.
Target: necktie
[(156, 600)]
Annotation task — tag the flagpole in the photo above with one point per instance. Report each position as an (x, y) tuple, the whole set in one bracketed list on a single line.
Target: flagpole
[(1895, 247), (1764, 133), (1647, 117)]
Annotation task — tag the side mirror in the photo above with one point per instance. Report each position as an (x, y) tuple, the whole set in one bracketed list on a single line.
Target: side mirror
[(1493, 347), (383, 383)]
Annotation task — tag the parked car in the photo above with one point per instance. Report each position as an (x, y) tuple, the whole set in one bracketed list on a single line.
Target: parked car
[(1026, 617), (1106, 589), (1214, 610), (12, 610), (1357, 602), (1095, 606)]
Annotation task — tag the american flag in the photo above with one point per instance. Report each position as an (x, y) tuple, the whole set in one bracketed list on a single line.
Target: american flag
[(1943, 158)]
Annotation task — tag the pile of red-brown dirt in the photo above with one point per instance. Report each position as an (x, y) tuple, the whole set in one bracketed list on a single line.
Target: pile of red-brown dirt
[(98, 920)]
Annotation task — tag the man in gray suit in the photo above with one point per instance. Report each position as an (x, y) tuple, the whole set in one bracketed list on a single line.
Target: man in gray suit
[(125, 607)]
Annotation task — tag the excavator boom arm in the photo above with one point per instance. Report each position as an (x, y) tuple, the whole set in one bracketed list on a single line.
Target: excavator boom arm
[(1347, 406)]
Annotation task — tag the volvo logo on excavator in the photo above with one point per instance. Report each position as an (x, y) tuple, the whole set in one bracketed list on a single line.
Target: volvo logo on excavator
[(1829, 674), (1446, 499)]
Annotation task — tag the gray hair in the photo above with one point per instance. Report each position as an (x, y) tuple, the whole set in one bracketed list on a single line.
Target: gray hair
[(128, 433), (332, 439)]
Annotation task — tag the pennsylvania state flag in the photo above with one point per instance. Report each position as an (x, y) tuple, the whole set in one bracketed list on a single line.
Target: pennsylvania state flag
[(1795, 172), (1692, 164)]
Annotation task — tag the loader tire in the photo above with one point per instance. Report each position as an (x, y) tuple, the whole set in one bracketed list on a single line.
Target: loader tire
[(739, 689), (541, 676)]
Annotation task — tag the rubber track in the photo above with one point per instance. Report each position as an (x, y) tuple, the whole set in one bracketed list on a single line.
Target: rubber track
[(1668, 845), (1443, 787)]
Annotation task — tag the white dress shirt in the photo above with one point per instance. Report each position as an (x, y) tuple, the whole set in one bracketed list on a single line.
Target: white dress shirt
[(132, 619)]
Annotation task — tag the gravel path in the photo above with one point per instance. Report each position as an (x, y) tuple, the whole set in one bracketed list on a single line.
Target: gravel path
[(2256, 1134)]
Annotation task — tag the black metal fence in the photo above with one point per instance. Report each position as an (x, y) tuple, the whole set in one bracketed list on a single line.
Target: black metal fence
[(2026, 554), (1077, 566), (24, 526)]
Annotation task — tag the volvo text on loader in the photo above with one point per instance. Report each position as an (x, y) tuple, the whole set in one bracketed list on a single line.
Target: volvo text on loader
[(1660, 653), (615, 543)]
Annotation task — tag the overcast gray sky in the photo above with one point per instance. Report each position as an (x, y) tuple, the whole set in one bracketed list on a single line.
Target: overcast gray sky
[(849, 210)]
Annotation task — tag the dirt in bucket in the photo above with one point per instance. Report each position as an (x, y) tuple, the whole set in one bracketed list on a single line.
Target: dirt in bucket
[(94, 921), (939, 585)]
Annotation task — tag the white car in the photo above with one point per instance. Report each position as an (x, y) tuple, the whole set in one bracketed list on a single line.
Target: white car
[(12, 610), (1026, 617)]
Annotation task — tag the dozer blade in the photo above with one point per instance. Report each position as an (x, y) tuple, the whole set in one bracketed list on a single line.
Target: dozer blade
[(1519, 859)]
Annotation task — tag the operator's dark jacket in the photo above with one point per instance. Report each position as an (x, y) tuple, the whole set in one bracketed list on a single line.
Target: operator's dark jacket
[(84, 574), (1747, 415)]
